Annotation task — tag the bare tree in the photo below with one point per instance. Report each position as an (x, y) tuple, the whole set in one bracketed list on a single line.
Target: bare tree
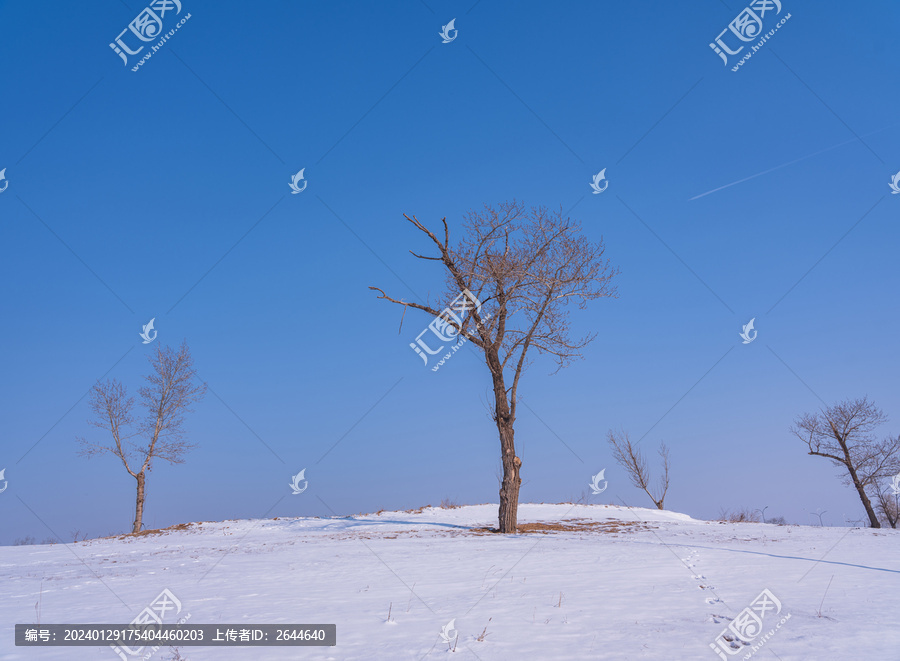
[(523, 266), (888, 504), (844, 434), (168, 395), (887, 495), (629, 457)]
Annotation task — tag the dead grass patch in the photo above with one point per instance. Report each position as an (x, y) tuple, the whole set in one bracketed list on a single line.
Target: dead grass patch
[(178, 527), (418, 510), (572, 525)]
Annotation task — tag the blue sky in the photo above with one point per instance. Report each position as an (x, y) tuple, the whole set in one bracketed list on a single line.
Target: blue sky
[(163, 193)]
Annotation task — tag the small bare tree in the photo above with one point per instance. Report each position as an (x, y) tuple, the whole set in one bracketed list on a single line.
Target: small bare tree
[(632, 460), (168, 395), (887, 495), (524, 266), (844, 434), (889, 506)]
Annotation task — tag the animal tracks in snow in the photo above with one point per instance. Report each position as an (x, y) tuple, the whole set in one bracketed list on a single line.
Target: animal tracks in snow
[(690, 562), (702, 583)]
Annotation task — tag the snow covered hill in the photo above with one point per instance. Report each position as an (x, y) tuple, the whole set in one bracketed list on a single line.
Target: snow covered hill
[(582, 582)]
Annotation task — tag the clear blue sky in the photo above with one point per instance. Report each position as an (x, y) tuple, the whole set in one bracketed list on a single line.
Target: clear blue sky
[(164, 193)]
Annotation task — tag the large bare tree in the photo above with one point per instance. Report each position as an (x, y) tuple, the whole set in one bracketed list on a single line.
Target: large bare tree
[(844, 434), (629, 457), (524, 267), (167, 397)]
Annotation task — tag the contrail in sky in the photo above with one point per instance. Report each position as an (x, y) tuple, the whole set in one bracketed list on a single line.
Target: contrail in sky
[(784, 165)]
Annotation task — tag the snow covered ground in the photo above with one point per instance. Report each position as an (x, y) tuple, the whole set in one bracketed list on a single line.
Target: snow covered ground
[(616, 583)]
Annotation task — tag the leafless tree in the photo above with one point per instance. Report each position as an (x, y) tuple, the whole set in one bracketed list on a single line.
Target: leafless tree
[(629, 457), (844, 433), (887, 495), (888, 504), (524, 266), (167, 397)]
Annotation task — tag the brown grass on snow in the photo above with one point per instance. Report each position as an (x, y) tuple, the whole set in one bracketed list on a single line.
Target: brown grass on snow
[(572, 525)]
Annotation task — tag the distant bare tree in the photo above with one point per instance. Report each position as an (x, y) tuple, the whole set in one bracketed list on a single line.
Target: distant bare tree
[(887, 497), (889, 506), (168, 395), (632, 460), (844, 434), (524, 266)]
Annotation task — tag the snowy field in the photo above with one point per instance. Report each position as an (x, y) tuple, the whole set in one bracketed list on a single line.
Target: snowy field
[(613, 583)]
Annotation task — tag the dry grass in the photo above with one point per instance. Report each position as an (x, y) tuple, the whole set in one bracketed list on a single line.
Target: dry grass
[(178, 527), (610, 526), (572, 525), (741, 515)]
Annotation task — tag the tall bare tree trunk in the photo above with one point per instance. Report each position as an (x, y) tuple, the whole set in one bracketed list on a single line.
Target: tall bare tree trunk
[(867, 504), (139, 505), (509, 487)]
